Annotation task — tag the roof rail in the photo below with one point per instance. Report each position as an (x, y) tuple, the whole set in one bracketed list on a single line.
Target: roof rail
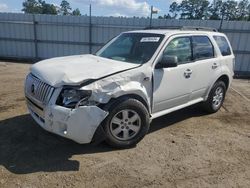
[(184, 28), (163, 27), (199, 28)]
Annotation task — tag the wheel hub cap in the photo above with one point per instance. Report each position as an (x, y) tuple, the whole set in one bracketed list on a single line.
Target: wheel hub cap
[(218, 97), (125, 125)]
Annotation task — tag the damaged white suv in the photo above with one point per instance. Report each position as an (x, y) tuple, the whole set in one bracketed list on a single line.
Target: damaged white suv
[(136, 77)]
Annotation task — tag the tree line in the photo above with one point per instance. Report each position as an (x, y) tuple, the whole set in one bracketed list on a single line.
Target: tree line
[(186, 9), (203, 9), (42, 7)]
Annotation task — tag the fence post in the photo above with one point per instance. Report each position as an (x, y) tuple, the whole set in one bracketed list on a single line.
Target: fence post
[(90, 30), (35, 37), (151, 16)]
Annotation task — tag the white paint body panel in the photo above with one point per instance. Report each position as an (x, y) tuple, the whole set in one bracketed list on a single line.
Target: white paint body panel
[(78, 125), (171, 88), (73, 70)]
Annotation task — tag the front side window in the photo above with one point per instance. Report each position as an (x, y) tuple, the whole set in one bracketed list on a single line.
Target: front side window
[(223, 45), (132, 47), (180, 48), (203, 48)]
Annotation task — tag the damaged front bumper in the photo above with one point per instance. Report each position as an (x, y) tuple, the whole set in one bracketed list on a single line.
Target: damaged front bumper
[(79, 124)]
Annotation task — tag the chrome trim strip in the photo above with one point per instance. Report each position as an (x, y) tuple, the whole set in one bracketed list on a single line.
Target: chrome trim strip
[(38, 90), (33, 108)]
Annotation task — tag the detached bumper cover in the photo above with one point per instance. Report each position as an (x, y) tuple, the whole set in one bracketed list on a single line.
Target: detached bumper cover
[(78, 124)]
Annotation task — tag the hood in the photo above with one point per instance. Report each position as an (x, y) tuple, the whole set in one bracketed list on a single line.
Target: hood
[(73, 70)]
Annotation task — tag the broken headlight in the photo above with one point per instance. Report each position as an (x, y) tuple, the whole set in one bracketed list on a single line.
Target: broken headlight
[(72, 98)]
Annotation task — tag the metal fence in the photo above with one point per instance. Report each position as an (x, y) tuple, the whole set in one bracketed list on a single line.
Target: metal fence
[(26, 36)]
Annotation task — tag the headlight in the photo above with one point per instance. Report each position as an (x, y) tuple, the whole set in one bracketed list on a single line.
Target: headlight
[(71, 98)]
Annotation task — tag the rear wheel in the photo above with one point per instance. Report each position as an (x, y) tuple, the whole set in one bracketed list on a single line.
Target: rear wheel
[(127, 123), (216, 97)]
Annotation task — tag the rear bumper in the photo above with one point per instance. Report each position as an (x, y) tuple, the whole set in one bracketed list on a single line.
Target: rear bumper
[(77, 124)]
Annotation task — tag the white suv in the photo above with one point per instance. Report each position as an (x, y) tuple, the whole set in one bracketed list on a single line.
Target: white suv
[(140, 75)]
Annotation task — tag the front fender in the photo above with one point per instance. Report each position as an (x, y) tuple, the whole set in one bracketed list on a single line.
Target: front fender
[(130, 82)]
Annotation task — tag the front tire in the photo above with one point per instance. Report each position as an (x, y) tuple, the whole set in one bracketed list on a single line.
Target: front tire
[(216, 97), (127, 123)]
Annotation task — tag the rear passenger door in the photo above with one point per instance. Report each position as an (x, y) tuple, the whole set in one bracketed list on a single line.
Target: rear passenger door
[(206, 68)]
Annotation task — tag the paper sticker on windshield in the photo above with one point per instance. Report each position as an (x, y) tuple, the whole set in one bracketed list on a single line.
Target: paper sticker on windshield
[(150, 39)]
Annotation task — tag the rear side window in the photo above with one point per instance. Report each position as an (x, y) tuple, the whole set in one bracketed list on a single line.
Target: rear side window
[(203, 48), (223, 45)]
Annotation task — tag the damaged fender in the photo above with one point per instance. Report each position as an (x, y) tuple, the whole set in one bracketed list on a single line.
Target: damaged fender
[(136, 81)]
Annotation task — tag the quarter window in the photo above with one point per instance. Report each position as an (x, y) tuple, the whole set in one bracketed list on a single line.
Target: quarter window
[(223, 45), (181, 48), (203, 48)]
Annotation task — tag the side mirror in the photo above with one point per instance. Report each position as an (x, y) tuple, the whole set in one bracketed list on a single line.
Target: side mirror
[(167, 62)]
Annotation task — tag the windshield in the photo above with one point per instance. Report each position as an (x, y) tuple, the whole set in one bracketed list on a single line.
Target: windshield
[(132, 47)]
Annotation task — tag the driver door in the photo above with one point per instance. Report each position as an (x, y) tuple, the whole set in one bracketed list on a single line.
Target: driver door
[(173, 86)]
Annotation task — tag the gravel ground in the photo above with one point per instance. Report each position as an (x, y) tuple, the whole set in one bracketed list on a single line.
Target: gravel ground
[(187, 148)]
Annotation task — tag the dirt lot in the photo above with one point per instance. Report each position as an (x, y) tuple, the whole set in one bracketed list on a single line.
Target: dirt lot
[(187, 148)]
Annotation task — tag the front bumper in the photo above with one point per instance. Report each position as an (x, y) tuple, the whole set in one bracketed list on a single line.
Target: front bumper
[(77, 124)]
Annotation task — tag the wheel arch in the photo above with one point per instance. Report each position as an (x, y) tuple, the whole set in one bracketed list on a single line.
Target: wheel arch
[(225, 78), (112, 101)]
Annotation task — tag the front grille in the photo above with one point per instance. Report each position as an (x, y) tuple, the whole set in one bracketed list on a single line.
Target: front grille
[(37, 89)]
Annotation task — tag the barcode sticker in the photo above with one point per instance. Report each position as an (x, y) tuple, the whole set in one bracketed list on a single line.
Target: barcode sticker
[(150, 39)]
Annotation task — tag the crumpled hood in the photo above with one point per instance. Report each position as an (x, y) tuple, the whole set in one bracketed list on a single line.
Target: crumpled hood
[(73, 70)]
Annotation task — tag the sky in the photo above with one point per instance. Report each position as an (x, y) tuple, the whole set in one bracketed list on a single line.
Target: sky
[(102, 7)]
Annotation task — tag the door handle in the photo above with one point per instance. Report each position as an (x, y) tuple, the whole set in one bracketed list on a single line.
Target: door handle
[(215, 66), (188, 73)]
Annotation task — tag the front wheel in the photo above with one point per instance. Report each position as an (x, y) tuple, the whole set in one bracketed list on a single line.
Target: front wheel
[(216, 97), (127, 123)]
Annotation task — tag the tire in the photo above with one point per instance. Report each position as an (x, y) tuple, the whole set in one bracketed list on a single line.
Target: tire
[(127, 123), (215, 98)]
